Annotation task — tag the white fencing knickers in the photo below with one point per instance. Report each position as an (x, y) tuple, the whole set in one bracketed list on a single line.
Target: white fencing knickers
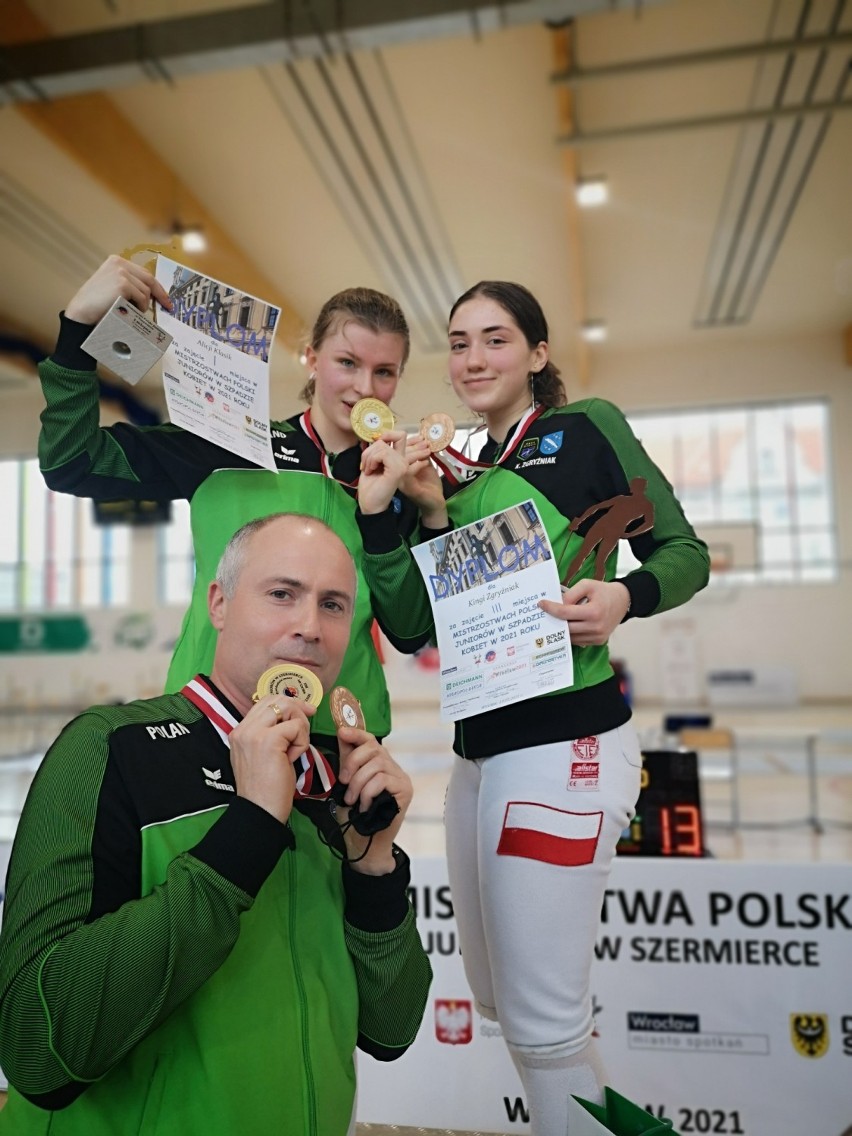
[(530, 840)]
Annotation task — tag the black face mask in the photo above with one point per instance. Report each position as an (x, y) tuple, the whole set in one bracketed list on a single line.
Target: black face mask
[(377, 817)]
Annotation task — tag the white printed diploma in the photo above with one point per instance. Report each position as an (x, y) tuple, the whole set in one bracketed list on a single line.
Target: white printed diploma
[(495, 643)]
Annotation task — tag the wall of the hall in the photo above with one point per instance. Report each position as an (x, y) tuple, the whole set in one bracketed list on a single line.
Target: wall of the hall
[(806, 628)]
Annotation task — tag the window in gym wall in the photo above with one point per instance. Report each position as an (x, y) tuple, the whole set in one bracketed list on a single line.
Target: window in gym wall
[(175, 559), (52, 554), (755, 481)]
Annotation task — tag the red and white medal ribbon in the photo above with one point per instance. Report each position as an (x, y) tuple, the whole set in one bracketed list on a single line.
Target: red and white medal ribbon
[(314, 774), (459, 469), (325, 464)]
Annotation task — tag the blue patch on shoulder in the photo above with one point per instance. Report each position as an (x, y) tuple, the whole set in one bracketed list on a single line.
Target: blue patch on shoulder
[(550, 443)]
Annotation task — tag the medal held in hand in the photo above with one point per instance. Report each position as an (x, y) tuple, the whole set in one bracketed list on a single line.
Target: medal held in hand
[(291, 681), (437, 431), (370, 418), (346, 709)]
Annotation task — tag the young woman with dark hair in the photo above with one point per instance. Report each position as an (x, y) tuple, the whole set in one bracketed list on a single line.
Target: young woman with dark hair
[(540, 790)]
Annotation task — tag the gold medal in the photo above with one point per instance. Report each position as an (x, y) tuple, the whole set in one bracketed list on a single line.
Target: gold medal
[(292, 681), (346, 709), (370, 417), (437, 431)]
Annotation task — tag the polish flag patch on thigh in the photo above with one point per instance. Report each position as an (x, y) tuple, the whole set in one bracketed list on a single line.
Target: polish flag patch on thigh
[(554, 836)]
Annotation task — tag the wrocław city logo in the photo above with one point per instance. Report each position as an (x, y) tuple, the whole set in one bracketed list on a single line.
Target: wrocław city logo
[(684, 1033)]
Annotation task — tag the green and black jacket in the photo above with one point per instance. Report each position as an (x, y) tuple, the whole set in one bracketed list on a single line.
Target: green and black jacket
[(225, 491), (569, 460), (174, 960)]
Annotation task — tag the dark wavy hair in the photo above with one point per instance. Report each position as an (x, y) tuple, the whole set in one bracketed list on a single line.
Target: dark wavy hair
[(546, 385), (368, 308)]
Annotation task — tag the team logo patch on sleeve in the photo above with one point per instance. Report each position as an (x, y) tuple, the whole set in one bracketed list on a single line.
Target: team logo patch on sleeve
[(553, 836)]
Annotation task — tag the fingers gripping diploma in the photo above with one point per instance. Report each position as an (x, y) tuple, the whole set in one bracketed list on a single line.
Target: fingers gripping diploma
[(366, 769), (116, 277), (592, 609), (274, 733)]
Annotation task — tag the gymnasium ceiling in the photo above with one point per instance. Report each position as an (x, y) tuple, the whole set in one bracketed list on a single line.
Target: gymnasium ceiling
[(418, 147)]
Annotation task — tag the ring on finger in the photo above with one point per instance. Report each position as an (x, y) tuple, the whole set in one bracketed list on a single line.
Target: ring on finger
[(277, 711)]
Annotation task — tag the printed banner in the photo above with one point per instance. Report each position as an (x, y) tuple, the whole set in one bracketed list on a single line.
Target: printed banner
[(484, 582), (216, 370), (43, 633), (721, 994)]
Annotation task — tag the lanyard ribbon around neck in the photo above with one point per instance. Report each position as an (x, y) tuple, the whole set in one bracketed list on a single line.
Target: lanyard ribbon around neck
[(325, 465), (459, 469)]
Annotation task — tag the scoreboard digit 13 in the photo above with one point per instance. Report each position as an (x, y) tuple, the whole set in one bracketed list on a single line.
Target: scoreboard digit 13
[(668, 819)]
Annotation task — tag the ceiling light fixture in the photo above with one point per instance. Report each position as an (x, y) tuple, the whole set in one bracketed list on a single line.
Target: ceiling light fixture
[(191, 235), (593, 331), (591, 191), (191, 238)]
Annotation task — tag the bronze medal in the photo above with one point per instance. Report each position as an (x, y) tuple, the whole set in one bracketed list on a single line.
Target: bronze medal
[(437, 431), (346, 709)]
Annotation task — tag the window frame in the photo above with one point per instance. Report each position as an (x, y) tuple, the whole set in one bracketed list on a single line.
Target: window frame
[(88, 569), (800, 570)]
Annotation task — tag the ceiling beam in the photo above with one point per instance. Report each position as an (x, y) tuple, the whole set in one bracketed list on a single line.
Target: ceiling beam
[(93, 132), (734, 118), (574, 76), (251, 37)]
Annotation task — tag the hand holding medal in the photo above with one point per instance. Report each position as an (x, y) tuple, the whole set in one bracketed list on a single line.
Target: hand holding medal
[(346, 711), (267, 745), (289, 681), (292, 681), (383, 467), (421, 483)]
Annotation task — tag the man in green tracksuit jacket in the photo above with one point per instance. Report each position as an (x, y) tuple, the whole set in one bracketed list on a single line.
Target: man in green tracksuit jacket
[(182, 950)]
